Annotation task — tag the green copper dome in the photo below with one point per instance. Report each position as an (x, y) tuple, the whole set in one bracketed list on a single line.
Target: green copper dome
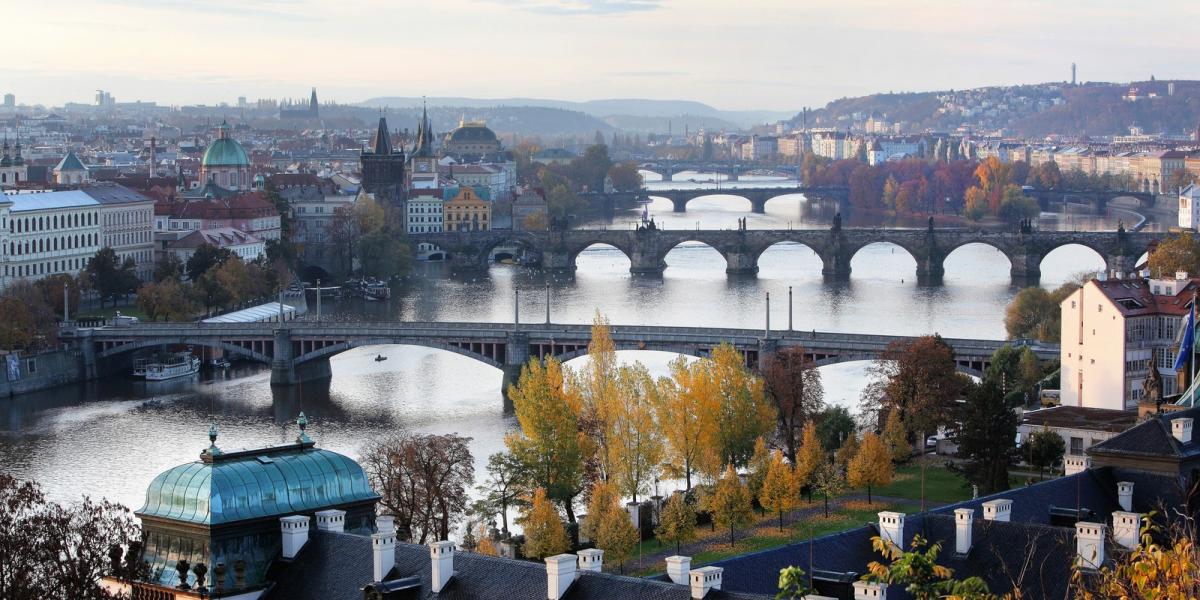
[(252, 484), (225, 151)]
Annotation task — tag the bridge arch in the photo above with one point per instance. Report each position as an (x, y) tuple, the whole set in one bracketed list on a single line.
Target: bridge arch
[(953, 252), (335, 349), (208, 343), (915, 255), (672, 245), (1075, 266), (484, 250), (681, 200)]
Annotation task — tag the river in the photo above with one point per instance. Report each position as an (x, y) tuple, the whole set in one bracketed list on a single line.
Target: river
[(109, 438)]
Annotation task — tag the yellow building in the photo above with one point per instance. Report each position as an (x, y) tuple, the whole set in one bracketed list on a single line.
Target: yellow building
[(467, 212)]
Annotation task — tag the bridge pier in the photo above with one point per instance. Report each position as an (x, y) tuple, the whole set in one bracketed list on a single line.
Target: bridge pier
[(558, 262), (679, 204), (87, 353), (667, 175), (767, 348), (516, 355), (930, 274), (741, 262), (758, 203), (1120, 263), (835, 266), (1026, 268), (646, 262)]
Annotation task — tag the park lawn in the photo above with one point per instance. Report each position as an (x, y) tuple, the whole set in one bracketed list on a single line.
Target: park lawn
[(941, 484)]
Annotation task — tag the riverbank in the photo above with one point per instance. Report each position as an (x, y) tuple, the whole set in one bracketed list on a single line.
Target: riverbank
[(25, 374)]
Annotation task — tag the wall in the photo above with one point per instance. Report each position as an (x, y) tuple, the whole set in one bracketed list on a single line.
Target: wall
[(52, 369), (1093, 347)]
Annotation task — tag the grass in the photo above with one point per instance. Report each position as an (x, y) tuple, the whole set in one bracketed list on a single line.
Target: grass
[(941, 484)]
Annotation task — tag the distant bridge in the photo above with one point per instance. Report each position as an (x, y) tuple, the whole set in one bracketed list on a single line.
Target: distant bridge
[(758, 196), (1096, 199), (732, 170), (300, 350), (836, 247)]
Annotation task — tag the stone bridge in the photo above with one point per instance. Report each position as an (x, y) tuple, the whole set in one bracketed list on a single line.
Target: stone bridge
[(1097, 199), (758, 196), (731, 170), (836, 247), (300, 350)]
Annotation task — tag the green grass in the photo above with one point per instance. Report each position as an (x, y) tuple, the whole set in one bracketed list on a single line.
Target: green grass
[(941, 484)]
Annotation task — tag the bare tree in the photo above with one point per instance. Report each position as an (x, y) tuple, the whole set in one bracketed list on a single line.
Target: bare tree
[(793, 382), (423, 481)]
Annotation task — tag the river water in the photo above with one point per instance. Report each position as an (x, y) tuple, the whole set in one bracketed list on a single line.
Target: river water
[(109, 438)]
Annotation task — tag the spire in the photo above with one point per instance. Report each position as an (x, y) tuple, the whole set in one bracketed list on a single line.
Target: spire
[(424, 144), (302, 422), (213, 450), (383, 143)]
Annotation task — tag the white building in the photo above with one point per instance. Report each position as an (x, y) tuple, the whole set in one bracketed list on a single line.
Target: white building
[(126, 224), (1113, 332), (424, 213), (244, 245), (1189, 206), (496, 178), (47, 233)]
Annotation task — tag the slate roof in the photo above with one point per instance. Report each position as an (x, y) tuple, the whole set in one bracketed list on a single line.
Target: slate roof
[(1081, 417), (112, 193), (335, 566), (70, 162), (1152, 438), (51, 200)]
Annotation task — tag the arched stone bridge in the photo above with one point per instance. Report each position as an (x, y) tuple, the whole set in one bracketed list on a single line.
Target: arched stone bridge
[(758, 196), (668, 168), (647, 249), (300, 350)]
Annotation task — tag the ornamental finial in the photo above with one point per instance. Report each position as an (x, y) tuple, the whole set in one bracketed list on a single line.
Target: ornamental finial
[(213, 450), (302, 422)]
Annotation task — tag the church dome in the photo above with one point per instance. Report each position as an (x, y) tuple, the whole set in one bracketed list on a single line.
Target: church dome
[(254, 484), (225, 151), (471, 132)]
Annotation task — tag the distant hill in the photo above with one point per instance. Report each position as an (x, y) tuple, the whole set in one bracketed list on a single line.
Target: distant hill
[(1092, 109), (664, 110)]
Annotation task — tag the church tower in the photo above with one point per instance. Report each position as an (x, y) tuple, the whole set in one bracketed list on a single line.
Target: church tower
[(312, 105), (383, 167), (424, 163)]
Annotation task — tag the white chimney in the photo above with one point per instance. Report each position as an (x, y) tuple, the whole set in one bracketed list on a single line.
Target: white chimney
[(1089, 544), (1181, 275), (560, 573), (580, 520), (997, 510), (704, 580), (1076, 464), (633, 507), (1127, 528), (1125, 495), (331, 520), (441, 555), (866, 590), (295, 534), (383, 547), (677, 569), (891, 527), (962, 529), (1181, 428), (591, 559)]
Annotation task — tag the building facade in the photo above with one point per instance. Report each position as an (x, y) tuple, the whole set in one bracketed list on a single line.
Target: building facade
[(127, 224), (13, 170), (383, 167), (466, 211), (471, 138), (70, 171), (424, 212), (1189, 206), (225, 162), (48, 233)]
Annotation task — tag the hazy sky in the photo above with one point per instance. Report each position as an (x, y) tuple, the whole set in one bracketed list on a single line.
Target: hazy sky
[(743, 54)]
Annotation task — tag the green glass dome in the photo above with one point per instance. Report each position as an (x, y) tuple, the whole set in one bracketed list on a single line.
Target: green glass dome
[(252, 484), (225, 152)]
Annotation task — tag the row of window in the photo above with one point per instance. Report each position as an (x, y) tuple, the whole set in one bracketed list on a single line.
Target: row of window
[(1144, 329), (53, 222), (424, 229), (50, 267), (69, 242), (128, 217), (123, 239), (415, 209)]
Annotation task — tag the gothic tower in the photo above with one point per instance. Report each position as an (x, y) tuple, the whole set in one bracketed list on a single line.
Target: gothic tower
[(383, 167)]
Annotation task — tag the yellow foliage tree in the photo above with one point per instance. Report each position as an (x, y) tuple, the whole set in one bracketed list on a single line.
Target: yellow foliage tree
[(635, 444), (677, 524), (847, 451), (544, 531), (1168, 569), (872, 466), (895, 438), (779, 492), (615, 534), (680, 419), (760, 463), (602, 498), (729, 503), (735, 408), (599, 396), (810, 457)]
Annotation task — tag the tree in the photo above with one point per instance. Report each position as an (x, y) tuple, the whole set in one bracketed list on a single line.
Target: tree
[(975, 202), (28, 322), (895, 438), (730, 503), (109, 276), (504, 486), (1175, 253), (919, 574), (1044, 449), (51, 550), (597, 385), (872, 466), (677, 523), (834, 425), (636, 445), (54, 287), (920, 379), (550, 446), (168, 267), (609, 525), (1035, 313), (1163, 565), (737, 408), (679, 417), (986, 437), (779, 491), (793, 384), (625, 176), (828, 481), (1015, 205), (205, 257), (167, 299), (847, 451), (588, 171), (422, 481), (792, 584), (811, 455), (544, 531), (383, 255)]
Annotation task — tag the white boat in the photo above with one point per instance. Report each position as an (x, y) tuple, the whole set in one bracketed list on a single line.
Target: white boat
[(179, 365), (139, 366)]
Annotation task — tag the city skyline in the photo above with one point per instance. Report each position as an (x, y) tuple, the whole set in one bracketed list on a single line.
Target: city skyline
[(762, 57)]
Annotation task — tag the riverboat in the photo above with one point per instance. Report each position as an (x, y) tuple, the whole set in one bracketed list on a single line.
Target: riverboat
[(178, 365)]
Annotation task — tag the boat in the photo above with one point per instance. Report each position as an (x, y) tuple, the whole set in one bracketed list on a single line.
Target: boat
[(368, 289), (380, 358), (180, 364), (218, 363), (139, 366)]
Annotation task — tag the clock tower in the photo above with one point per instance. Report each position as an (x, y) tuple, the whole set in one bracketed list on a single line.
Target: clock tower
[(424, 168)]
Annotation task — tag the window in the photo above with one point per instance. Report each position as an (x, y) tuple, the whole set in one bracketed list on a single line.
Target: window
[(31, 366), (1076, 446)]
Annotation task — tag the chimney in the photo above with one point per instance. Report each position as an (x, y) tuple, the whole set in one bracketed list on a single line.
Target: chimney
[(997, 510), (1127, 528), (1181, 275), (962, 529), (891, 527), (1125, 495), (591, 559), (442, 556), (866, 590), (677, 569), (1089, 544), (1181, 429), (704, 580), (1076, 464), (383, 547), (633, 507), (331, 520), (295, 534), (560, 573)]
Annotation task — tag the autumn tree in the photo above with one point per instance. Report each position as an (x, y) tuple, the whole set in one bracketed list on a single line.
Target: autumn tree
[(598, 392), (895, 438), (550, 446), (422, 481), (679, 416), (609, 525), (920, 379), (28, 322), (871, 466), (779, 492), (1164, 564), (811, 455), (756, 469), (625, 176), (1015, 205), (847, 451), (975, 203), (793, 383), (1175, 253), (1035, 313), (986, 437), (634, 440), (916, 571), (504, 486), (729, 503), (545, 534), (205, 257), (738, 412), (1044, 449), (168, 299), (677, 523), (55, 287), (828, 481)]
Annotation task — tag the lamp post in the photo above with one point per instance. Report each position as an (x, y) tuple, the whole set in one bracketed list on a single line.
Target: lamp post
[(767, 331), (789, 308), (547, 301), (516, 307)]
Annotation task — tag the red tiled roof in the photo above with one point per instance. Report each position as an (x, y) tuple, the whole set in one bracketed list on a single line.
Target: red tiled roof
[(1134, 299)]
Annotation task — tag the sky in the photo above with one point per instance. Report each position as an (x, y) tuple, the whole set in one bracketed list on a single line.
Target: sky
[(733, 55)]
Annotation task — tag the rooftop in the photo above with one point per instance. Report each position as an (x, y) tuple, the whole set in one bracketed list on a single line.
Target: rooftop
[(1081, 417), (51, 200)]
